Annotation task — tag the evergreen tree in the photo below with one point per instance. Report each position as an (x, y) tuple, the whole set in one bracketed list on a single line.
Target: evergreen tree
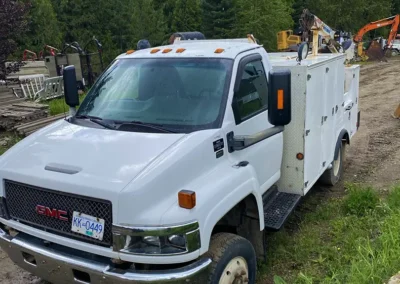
[(147, 23), (219, 17), (396, 7), (168, 7), (43, 27), (187, 16), (12, 26), (263, 19)]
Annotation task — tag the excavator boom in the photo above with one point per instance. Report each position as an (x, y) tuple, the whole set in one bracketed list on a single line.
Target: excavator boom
[(394, 21)]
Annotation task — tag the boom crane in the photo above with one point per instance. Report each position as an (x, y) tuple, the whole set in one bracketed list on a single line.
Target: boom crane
[(311, 23)]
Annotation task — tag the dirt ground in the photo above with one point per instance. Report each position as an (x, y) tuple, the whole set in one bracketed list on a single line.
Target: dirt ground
[(373, 158)]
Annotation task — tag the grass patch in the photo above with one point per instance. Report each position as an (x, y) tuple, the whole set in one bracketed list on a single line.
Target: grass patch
[(351, 240), (58, 106), (7, 140)]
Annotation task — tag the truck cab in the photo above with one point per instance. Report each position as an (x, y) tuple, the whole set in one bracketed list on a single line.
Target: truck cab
[(174, 165)]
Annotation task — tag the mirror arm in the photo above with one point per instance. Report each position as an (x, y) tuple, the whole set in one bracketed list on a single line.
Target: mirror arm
[(237, 143)]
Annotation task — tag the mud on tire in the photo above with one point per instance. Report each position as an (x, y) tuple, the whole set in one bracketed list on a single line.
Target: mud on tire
[(231, 255)]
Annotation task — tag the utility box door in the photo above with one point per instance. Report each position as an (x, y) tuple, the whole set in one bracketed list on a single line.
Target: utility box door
[(315, 112)]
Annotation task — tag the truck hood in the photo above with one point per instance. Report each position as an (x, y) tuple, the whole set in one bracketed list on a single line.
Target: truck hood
[(88, 158)]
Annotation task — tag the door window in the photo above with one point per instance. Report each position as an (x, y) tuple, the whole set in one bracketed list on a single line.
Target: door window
[(252, 96)]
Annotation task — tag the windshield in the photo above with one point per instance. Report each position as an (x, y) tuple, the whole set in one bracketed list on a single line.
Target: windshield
[(183, 94)]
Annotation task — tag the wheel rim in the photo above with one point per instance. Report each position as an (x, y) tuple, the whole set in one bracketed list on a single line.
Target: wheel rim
[(336, 164), (236, 272)]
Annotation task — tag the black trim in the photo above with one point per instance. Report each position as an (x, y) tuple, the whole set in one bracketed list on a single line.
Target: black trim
[(242, 65), (358, 119), (3, 209), (242, 142)]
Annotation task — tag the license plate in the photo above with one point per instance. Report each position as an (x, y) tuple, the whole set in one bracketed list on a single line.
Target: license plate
[(88, 225)]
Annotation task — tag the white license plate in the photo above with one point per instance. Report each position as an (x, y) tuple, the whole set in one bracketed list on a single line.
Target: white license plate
[(88, 225)]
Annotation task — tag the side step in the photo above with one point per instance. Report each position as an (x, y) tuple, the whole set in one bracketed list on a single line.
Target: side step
[(277, 208)]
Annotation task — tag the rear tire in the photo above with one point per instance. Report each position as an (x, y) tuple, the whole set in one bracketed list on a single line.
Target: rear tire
[(234, 260), (332, 176)]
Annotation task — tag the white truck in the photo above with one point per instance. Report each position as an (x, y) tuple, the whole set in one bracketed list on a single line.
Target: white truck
[(175, 164)]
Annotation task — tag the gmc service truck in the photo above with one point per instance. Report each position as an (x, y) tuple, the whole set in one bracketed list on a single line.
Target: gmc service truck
[(175, 164)]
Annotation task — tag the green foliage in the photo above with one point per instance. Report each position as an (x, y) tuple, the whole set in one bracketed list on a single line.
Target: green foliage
[(219, 18), (187, 16), (331, 246), (346, 15), (360, 200), (43, 27), (147, 23), (394, 198), (263, 19), (57, 106)]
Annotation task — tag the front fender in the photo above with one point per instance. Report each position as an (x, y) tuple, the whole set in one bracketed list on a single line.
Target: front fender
[(216, 194)]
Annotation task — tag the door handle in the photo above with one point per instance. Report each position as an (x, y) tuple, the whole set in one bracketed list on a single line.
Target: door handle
[(236, 143), (349, 108)]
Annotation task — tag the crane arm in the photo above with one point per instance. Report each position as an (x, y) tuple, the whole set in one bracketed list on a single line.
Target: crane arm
[(394, 21)]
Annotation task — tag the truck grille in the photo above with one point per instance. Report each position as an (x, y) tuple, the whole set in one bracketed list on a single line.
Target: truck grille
[(22, 200)]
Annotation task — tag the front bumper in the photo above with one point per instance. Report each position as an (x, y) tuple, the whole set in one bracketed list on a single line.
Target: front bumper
[(58, 264)]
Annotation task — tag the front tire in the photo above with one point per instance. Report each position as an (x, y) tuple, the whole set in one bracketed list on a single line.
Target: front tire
[(234, 260), (332, 176)]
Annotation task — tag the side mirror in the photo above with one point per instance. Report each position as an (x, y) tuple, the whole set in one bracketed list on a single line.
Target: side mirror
[(70, 89), (280, 103)]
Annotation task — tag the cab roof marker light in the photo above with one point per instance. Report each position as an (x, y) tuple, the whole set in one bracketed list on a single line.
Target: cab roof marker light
[(219, 50), (130, 51), (180, 50), (167, 50), (155, 50)]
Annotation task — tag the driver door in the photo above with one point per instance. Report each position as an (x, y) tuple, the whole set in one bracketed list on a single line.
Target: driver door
[(250, 107)]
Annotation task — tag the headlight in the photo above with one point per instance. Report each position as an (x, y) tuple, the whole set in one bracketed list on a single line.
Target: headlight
[(176, 239)]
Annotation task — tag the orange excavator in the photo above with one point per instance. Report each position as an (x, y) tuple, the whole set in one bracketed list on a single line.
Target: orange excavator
[(375, 49)]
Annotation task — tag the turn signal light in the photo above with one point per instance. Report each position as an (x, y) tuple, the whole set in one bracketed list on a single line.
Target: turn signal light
[(300, 156), (219, 50), (130, 51), (280, 99), (167, 50), (187, 199), (155, 50)]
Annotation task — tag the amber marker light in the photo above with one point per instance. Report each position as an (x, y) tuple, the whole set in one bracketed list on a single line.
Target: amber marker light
[(187, 199)]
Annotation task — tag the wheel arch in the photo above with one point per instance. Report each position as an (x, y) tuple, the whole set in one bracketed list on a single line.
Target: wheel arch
[(343, 137), (244, 220)]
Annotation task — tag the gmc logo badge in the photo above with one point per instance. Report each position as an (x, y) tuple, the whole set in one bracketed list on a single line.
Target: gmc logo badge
[(52, 213)]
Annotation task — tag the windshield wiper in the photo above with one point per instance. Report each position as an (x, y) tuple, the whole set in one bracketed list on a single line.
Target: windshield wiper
[(84, 116), (158, 127), (97, 120)]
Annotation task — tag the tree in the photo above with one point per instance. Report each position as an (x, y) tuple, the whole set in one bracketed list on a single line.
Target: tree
[(12, 25), (187, 16), (346, 15), (263, 19), (108, 21), (168, 7), (396, 7), (219, 17), (147, 23), (43, 26)]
